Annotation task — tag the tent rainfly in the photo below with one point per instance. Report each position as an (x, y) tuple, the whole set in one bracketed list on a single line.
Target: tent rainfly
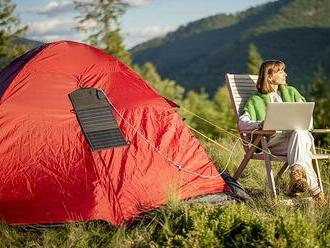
[(83, 137)]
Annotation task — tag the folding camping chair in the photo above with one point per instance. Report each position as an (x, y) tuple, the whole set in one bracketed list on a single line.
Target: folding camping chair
[(240, 88)]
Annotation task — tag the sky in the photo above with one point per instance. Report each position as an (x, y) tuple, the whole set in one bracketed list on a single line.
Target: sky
[(52, 20)]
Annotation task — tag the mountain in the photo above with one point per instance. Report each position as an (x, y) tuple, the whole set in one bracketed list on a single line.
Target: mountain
[(199, 54), (28, 42)]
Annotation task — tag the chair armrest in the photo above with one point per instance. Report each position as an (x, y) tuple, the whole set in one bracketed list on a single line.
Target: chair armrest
[(270, 132), (261, 132), (325, 130)]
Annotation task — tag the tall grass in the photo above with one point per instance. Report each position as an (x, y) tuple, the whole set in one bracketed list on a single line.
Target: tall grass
[(262, 222)]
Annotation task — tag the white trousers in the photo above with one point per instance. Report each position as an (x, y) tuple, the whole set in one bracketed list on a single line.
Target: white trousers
[(297, 146)]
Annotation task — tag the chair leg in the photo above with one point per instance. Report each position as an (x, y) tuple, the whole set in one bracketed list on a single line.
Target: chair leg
[(317, 169), (269, 171), (247, 158), (281, 171)]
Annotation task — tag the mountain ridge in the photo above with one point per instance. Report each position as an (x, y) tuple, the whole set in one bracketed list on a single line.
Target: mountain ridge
[(285, 29)]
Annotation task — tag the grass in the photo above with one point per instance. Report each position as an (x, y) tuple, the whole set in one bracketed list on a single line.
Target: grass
[(260, 223)]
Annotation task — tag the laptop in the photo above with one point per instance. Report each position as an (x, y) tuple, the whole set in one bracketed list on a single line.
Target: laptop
[(289, 116)]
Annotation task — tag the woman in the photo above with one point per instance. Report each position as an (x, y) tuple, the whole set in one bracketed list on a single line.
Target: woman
[(295, 144)]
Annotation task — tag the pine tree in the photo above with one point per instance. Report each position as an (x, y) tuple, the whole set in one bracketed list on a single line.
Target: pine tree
[(200, 104), (254, 60), (10, 32), (167, 88), (223, 105), (100, 19), (320, 95)]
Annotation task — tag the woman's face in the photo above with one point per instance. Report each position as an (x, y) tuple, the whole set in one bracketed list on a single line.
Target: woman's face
[(279, 77)]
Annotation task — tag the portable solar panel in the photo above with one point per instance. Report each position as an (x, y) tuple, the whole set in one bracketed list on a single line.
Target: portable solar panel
[(96, 119)]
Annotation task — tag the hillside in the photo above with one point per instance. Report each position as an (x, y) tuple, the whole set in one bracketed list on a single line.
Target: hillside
[(199, 54), (29, 43)]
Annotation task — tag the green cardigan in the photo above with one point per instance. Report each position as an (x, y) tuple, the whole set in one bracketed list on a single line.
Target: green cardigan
[(257, 103)]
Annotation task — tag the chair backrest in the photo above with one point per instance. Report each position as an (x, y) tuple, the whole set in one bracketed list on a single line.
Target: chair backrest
[(240, 87)]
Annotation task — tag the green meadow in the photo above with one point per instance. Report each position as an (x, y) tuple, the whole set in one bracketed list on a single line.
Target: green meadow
[(261, 222)]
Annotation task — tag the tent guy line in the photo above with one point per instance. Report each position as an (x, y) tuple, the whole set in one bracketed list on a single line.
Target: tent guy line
[(179, 167), (237, 137), (231, 152), (208, 138), (231, 134)]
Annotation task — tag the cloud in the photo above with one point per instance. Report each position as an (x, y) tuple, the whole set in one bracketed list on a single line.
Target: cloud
[(57, 26), (51, 26), (56, 8), (52, 9), (149, 31), (134, 36), (53, 30), (63, 29), (52, 38), (135, 3)]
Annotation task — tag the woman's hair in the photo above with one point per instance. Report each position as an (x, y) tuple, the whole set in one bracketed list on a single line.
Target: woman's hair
[(268, 68)]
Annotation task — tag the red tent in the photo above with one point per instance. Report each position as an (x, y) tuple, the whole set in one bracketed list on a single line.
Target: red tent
[(48, 172)]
